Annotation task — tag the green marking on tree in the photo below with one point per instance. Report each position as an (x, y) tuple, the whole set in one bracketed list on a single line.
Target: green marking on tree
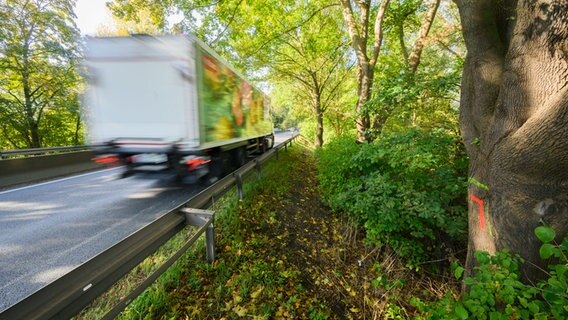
[(478, 184)]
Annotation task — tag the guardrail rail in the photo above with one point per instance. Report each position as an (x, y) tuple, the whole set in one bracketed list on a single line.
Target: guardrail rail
[(31, 165), (41, 151)]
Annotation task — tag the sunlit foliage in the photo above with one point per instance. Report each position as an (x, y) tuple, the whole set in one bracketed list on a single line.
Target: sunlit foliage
[(39, 49)]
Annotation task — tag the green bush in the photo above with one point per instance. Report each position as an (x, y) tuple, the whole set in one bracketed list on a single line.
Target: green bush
[(496, 291), (408, 189)]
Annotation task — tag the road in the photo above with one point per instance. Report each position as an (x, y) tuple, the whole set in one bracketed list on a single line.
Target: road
[(50, 228)]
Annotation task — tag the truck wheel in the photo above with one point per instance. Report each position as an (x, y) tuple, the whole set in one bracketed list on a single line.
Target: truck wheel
[(239, 157), (262, 149), (216, 169), (181, 175), (179, 169)]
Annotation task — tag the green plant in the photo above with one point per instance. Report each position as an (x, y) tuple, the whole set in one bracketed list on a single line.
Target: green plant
[(496, 291), (408, 188)]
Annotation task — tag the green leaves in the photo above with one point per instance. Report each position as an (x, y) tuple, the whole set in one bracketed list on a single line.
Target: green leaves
[(461, 312), (546, 250), (405, 188), (39, 85), (458, 272), (545, 234)]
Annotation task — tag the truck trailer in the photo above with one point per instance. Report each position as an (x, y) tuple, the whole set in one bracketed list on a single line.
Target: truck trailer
[(170, 102)]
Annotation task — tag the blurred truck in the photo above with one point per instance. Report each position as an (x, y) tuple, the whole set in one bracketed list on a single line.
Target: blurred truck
[(170, 102)]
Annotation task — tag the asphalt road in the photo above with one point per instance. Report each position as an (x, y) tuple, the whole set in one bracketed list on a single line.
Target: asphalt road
[(50, 228)]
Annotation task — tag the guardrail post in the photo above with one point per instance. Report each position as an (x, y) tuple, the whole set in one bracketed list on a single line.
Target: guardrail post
[(257, 166), (198, 217), (239, 180), (276, 153), (210, 243)]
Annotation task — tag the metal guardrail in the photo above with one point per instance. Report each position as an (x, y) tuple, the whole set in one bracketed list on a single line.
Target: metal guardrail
[(41, 151), (27, 169), (68, 295)]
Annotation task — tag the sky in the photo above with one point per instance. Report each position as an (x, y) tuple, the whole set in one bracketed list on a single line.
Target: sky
[(91, 14)]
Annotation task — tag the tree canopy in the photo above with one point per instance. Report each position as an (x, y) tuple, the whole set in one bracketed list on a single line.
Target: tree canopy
[(39, 51)]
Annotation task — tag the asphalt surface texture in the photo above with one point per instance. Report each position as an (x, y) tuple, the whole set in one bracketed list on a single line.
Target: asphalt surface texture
[(50, 228)]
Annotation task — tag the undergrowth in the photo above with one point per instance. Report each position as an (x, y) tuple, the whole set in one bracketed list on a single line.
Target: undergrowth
[(251, 276), (497, 292), (282, 254), (407, 189)]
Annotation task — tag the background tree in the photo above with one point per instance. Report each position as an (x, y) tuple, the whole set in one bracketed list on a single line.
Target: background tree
[(38, 80), (359, 22), (150, 14), (514, 110), (426, 97), (140, 22), (313, 57)]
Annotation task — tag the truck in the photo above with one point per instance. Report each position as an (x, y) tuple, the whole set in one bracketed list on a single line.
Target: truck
[(170, 102)]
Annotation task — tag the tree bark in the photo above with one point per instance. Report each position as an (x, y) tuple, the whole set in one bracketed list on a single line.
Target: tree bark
[(513, 116), (77, 129), (319, 129)]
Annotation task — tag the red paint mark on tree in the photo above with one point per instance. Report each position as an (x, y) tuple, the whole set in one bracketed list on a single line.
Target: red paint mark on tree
[(481, 212)]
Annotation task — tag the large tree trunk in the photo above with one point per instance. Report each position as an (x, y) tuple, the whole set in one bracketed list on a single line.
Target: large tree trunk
[(513, 116)]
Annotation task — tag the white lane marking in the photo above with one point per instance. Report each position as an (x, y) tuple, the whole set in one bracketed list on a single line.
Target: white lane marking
[(58, 180)]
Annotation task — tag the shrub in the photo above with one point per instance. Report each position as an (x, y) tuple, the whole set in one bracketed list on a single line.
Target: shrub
[(408, 189), (496, 292)]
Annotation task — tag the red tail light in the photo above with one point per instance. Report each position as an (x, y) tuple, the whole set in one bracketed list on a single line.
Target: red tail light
[(195, 163), (106, 159)]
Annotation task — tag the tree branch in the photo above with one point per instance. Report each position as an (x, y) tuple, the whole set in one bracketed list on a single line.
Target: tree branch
[(414, 58), (379, 32), (356, 39), (233, 14)]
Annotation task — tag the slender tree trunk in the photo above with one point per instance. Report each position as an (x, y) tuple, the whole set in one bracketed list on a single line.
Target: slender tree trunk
[(77, 129), (34, 132), (319, 130), (513, 116), (402, 43), (319, 120), (33, 128)]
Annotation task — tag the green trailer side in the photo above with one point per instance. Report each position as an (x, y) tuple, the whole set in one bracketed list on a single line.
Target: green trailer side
[(230, 108)]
